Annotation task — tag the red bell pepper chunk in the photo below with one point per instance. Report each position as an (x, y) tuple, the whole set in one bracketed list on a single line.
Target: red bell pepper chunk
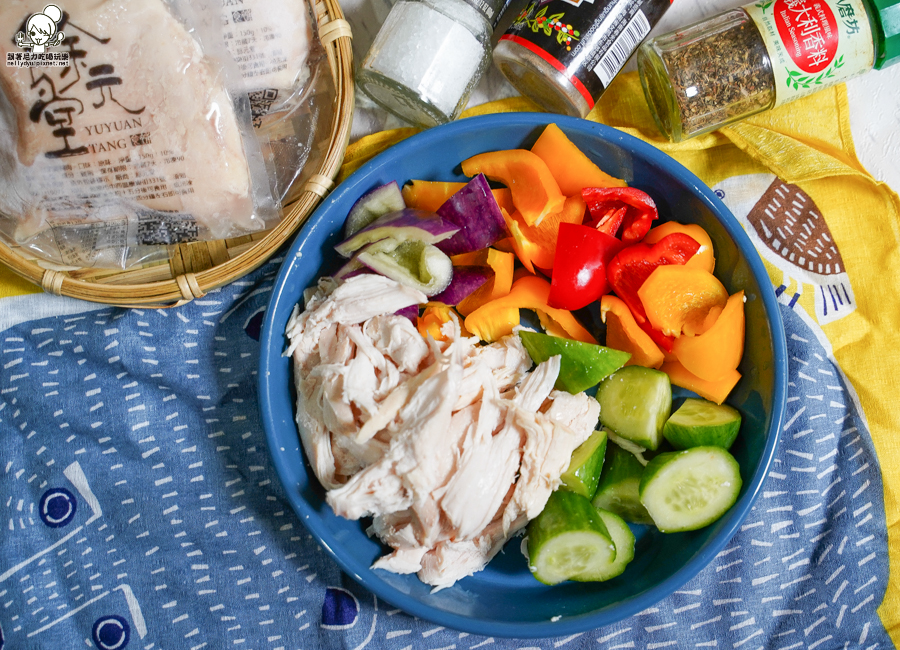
[(663, 341), (634, 264), (626, 207), (611, 222), (579, 266)]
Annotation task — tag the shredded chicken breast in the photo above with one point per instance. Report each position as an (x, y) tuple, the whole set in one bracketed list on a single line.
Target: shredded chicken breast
[(451, 447)]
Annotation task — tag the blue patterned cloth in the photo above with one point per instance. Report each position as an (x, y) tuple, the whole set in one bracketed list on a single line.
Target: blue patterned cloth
[(141, 511)]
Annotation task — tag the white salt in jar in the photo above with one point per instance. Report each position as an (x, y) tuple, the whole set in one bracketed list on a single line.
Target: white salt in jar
[(428, 56)]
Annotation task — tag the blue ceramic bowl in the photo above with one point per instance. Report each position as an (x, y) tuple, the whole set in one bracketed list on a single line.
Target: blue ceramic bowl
[(504, 599)]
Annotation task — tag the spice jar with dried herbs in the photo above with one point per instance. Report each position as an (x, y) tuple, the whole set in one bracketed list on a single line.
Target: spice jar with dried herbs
[(751, 59)]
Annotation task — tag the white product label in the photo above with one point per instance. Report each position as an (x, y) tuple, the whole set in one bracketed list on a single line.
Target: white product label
[(813, 44), (626, 43), (268, 39)]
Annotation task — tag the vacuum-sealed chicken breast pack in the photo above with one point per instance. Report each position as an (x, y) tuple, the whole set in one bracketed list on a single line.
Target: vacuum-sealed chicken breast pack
[(130, 125)]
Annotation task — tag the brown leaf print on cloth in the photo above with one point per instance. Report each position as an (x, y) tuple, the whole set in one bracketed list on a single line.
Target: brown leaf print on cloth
[(792, 227)]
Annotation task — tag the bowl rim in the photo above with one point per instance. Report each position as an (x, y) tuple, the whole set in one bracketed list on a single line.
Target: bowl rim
[(272, 339)]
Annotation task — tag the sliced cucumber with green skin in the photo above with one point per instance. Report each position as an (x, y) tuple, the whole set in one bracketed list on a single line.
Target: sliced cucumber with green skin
[(690, 489), (699, 422), (569, 541), (583, 473), (635, 403), (623, 539), (618, 490)]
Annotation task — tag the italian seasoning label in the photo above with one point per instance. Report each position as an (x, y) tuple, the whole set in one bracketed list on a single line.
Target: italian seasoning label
[(587, 40), (813, 44)]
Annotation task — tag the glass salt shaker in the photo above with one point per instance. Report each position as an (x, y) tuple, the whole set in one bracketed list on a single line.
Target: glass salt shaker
[(748, 60), (428, 56)]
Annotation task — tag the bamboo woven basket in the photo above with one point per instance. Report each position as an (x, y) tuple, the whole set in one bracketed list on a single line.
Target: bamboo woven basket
[(195, 268)]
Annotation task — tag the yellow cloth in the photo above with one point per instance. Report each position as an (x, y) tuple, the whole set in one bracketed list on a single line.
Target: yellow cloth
[(808, 144)]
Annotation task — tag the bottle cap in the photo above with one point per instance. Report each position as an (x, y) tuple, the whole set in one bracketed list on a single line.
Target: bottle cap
[(886, 19)]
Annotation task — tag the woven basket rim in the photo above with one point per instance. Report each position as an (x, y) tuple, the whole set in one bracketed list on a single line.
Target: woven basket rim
[(112, 287)]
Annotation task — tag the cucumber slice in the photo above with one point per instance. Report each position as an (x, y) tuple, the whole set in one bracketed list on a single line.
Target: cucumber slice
[(582, 366), (690, 489), (618, 490), (699, 422), (623, 539), (569, 541), (583, 473), (635, 403)]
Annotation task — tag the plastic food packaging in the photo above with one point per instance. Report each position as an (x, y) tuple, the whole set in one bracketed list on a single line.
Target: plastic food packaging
[(130, 125), (747, 60)]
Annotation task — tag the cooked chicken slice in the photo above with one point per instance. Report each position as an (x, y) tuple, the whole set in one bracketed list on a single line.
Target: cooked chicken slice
[(402, 560), (398, 339), (545, 456), (361, 379), (453, 560), (316, 441), (354, 301), (506, 360), (579, 412), (536, 388), (376, 489), (487, 469), (351, 456), (394, 528), (414, 464)]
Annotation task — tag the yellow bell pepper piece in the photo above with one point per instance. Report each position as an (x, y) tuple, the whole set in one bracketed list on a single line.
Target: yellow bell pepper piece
[(497, 318)]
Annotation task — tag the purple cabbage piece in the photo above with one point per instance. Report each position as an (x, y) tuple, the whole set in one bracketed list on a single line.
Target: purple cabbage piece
[(466, 279), (474, 210), (377, 202), (411, 312), (404, 225), (351, 269)]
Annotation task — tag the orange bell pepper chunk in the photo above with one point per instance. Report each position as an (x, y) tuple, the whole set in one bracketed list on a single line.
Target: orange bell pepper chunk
[(713, 354), (536, 245), (571, 168), (623, 333), (703, 258), (503, 264), (503, 196), (535, 193), (430, 195), (494, 320), (714, 391), (505, 244), (678, 299), (523, 247), (431, 319)]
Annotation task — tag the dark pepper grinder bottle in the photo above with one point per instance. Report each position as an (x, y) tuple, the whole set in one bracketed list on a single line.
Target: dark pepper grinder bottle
[(762, 55), (563, 54)]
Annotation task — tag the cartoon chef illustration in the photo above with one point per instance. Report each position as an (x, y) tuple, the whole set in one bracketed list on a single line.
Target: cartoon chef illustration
[(41, 30)]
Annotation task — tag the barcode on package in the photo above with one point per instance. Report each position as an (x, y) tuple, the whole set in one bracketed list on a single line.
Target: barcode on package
[(156, 228), (614, 59)]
